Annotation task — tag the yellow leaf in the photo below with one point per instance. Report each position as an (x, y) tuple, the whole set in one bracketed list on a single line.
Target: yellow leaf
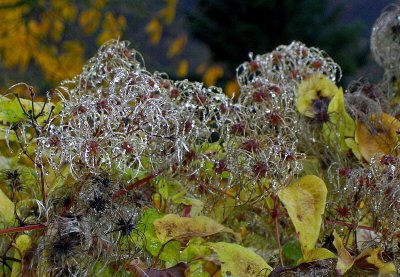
[(317, 87), (183, 68), (305, 201), (317, 254), (239, 261), (154, 30), (345, 260), (172, 226), (380, 138), (7, 214), (176, 46), (340, 125), (212, 75)]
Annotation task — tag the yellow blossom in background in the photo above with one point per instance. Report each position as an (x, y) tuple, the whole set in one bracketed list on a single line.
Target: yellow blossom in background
[(232, 89), (177, 46), (183, 68), (212, 75), (201, 69), (168, 13), (56, 30), (99, 4), (89, 20), (154, 30), (39, 28), (65, 9), (112, 28), (13, 56)]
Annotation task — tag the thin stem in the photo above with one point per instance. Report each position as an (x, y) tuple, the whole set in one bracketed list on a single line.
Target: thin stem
[(345, 224), (137, 184), (23, 229), (276, 221)]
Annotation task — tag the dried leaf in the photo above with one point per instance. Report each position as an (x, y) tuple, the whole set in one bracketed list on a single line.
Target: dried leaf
[(324, 268), (172, 226), (380, 138), (345, 260), (371, 259), (305, 202), (237, 260)]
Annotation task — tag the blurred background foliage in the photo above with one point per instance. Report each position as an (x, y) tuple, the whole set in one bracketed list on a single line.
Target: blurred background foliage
[(45, 41)]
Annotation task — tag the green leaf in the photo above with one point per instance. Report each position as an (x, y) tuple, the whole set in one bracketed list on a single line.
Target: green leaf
[(237, 260), (10, 110), (292, 252), (340, 125), (195, 249), (196, 269), (168, 187), (146, 227), (22, 244), (171, 253)]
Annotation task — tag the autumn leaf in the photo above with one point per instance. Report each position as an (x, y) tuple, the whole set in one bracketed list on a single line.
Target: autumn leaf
[(370, 258), (172, 226), (239, 261), (305, 202), (316, 254), (345, 260), (380, 138)]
